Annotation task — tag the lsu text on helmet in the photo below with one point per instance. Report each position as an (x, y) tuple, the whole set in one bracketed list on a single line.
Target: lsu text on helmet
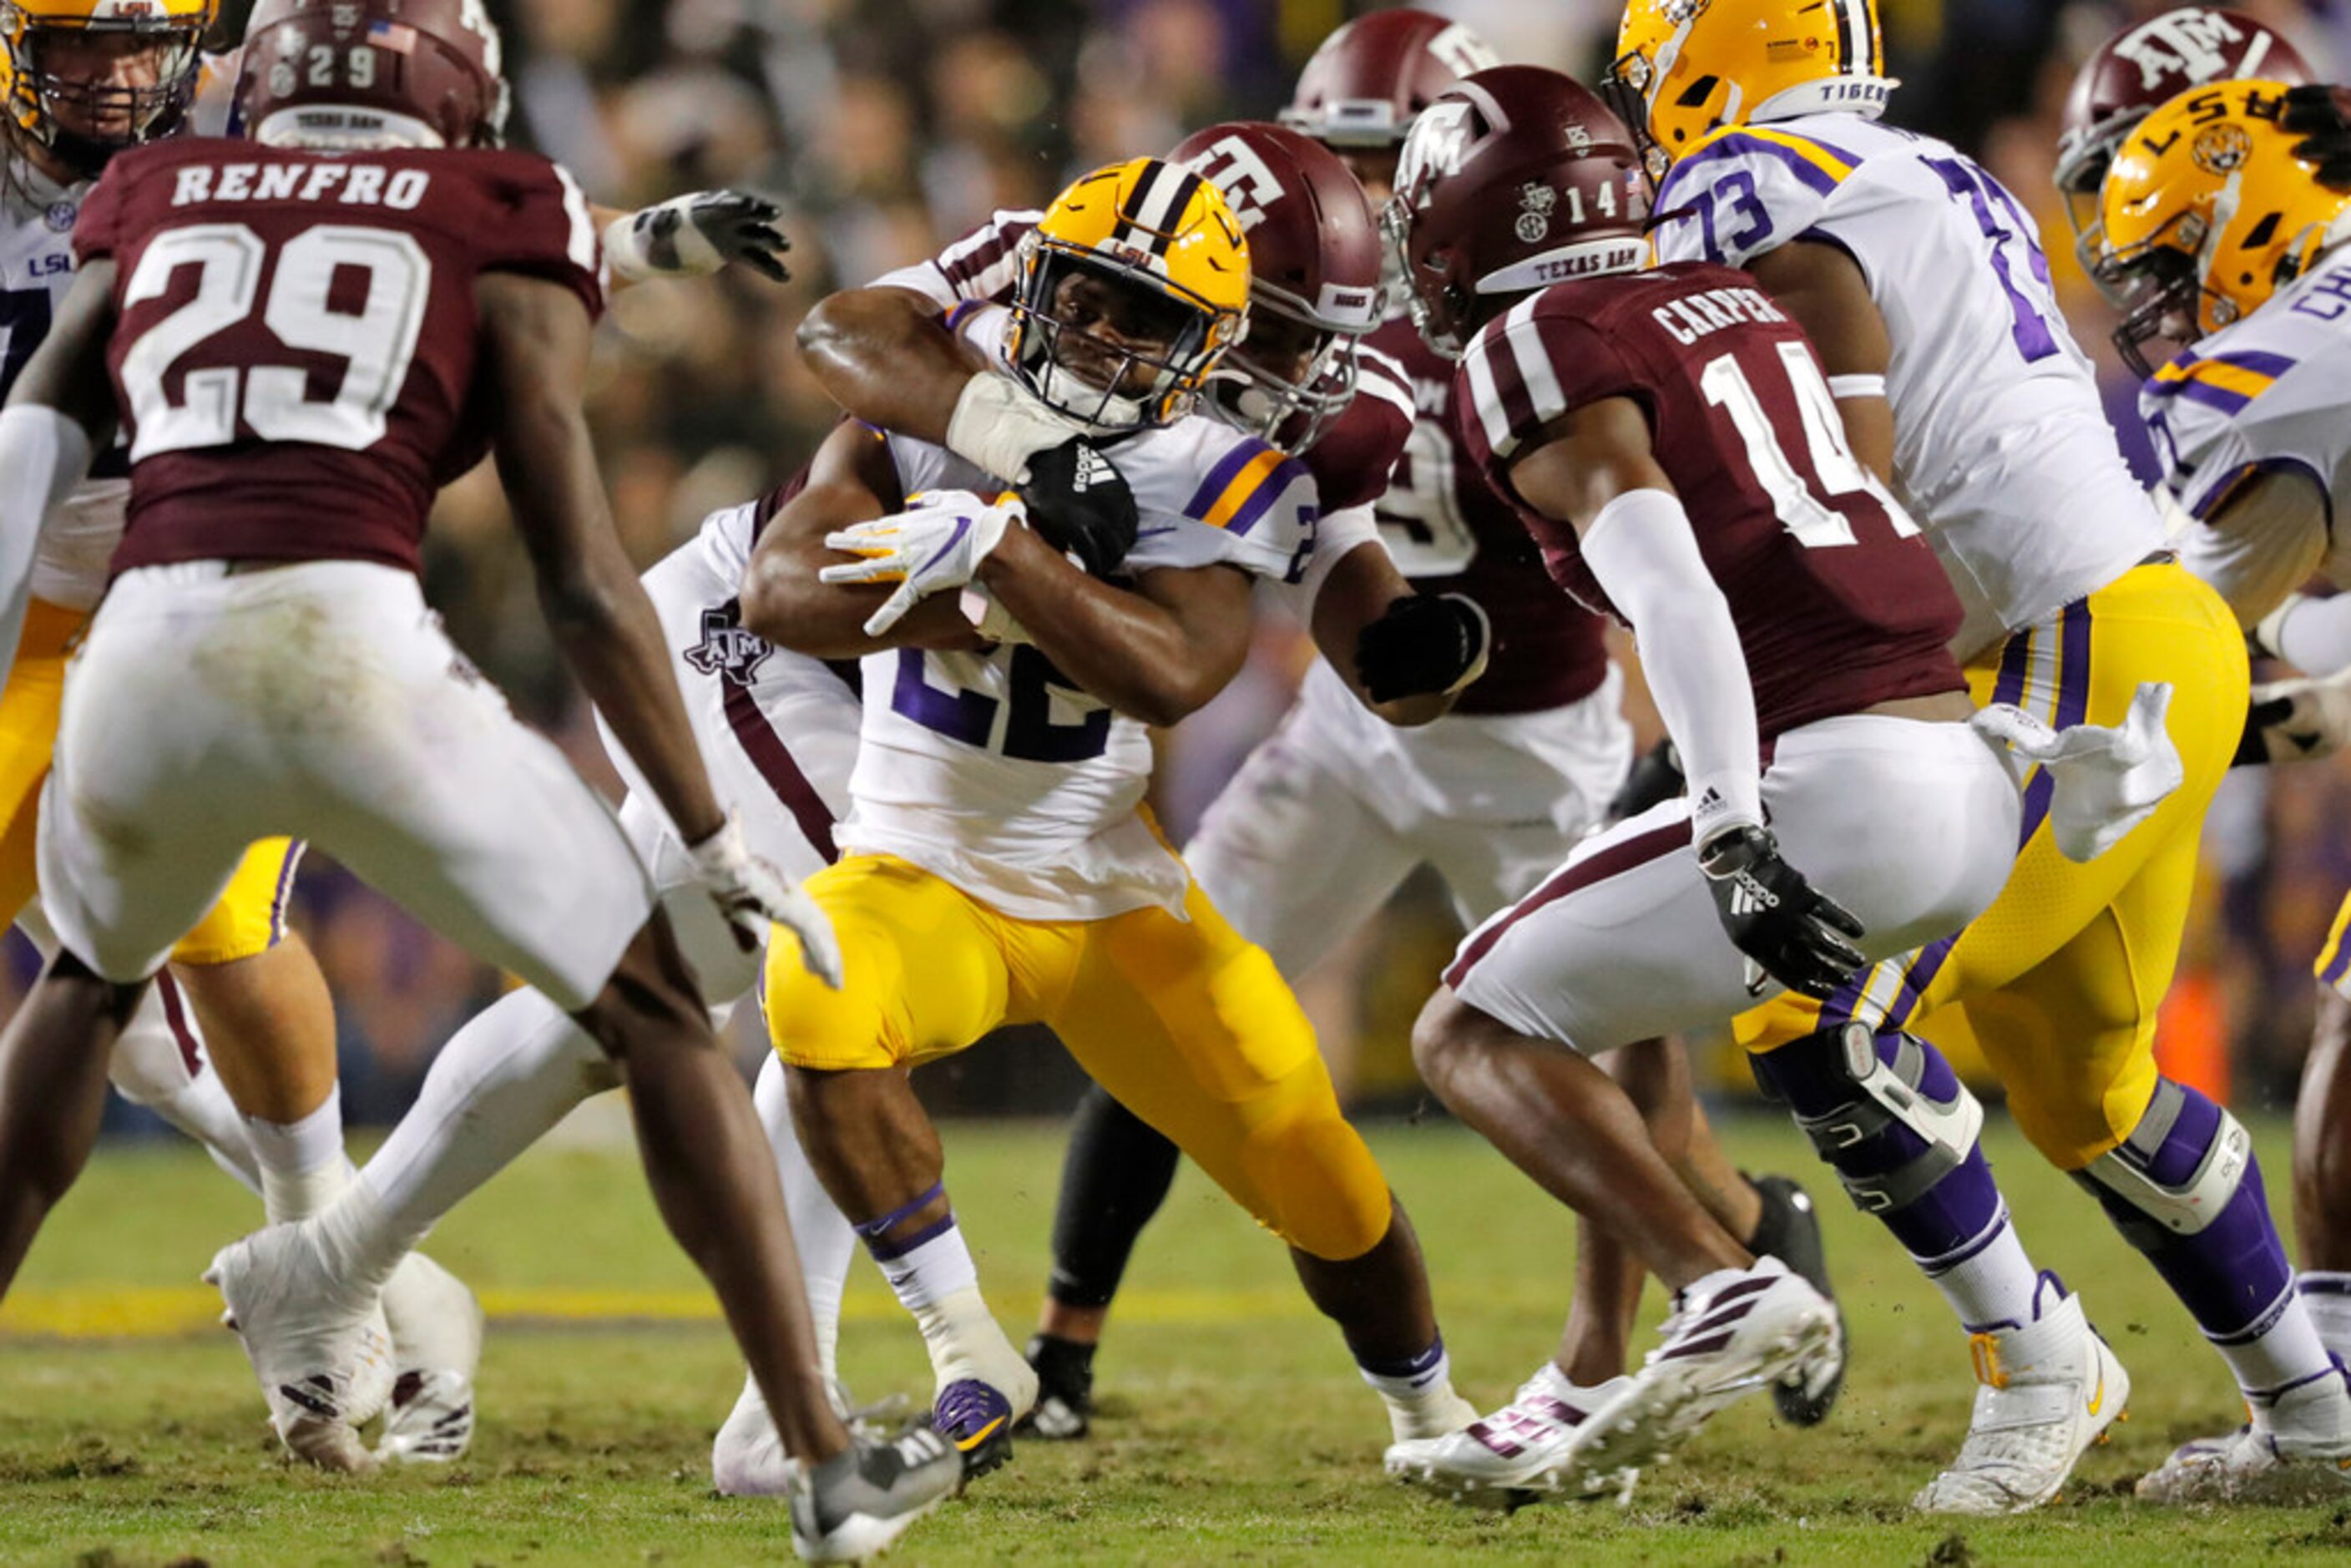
[(1131, 287), (2206, 213), (341, 75), (2138, 70), (1368, 80), (1514, 179), (1685, 68), (1314, 270), (88, 78)]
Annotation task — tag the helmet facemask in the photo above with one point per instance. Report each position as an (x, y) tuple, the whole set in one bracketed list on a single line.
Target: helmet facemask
[(2159, 285), (1289, 384), (1161, 343), (64, 95)]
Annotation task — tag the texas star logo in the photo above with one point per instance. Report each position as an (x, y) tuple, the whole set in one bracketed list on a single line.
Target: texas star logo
[(726, 650)]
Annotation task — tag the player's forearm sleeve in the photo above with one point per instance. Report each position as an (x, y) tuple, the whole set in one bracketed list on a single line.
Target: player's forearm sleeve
[(1335, 537), (2313, 635), (1641, 548), (43, 455)]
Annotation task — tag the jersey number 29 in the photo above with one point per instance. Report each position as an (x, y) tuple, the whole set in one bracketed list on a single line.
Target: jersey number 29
[(377, 340)]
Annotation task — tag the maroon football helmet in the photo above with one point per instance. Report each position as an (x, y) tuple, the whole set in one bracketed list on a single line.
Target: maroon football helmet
[(1314, 278), (2138, 71), (344, 74), (1369, 79), (1514, 179)]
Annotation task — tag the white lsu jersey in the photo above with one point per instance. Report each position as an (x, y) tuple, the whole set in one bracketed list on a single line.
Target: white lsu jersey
[(996, 772), (2001, 446), (36, 268), (2266, 394)]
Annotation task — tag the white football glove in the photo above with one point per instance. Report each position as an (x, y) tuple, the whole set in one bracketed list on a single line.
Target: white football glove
[(2106, 781), (753, 895), (932, 547)]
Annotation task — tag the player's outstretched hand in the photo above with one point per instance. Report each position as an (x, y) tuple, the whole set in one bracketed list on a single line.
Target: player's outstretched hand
[(935, 545), (1080, 505), (1423, 643), (694, 235), (754, 895), (1794, 932), (2320, 116)]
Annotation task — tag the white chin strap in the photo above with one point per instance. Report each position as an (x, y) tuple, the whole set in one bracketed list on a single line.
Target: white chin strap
[(323, 128)]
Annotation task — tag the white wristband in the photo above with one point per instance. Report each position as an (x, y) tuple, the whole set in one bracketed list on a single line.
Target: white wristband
[(1856, 386), (998, 426)]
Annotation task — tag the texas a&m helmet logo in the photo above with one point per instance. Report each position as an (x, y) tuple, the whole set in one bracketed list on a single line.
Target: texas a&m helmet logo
[(726, 650)]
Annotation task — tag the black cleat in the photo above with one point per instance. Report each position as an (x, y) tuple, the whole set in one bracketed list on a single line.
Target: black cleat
[(1065, 1390), (856, 1503), (1789, 1230)]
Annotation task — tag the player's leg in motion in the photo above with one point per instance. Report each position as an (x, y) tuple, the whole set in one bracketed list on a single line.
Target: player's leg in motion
[(1292, 857), (1621, 946), (2321, 1149), (1182, 1020)]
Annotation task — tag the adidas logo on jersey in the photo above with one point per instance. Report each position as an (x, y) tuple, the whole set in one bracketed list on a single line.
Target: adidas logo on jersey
[(1091, 469)]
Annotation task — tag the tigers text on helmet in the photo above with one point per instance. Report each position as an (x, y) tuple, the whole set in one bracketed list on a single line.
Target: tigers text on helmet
[(1514, 179), (2207, 213), (1686, 66), (1314, 270), (2138, 71), (342, 75), (1131, 286), (1370, 79), (68, 96)]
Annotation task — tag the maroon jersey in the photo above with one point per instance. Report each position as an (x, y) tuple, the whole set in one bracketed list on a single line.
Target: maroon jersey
[(1839, 603), (293, 352), (1450, 533)]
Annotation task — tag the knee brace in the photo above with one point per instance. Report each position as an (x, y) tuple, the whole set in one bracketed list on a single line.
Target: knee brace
[(2176, 1172), (1885, 1111)]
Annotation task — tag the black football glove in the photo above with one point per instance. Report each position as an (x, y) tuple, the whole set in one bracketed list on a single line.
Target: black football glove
[(2320, 116), (1654, 777), (1423, 643), (1080, 503), (693, 236), (1794, 932)]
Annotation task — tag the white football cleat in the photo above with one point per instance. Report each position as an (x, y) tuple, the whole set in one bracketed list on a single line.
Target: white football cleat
[(747, 1458), (852, 1506), (2046, 1392), (1528, 1451), (1730, 1333), (437, 1348), (319, 1348), (2300, 1452)]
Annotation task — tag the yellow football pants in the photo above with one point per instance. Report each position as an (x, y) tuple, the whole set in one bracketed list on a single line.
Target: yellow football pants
[(251, 914), (2062, 976), (1183, 1022)]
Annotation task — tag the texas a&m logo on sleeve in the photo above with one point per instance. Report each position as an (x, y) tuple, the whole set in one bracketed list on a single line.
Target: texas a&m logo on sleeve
[(726, 650)]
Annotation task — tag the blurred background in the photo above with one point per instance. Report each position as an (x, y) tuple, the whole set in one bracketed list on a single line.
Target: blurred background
[(886, 128)]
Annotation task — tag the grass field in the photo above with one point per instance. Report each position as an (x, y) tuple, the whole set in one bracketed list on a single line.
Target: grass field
[(1233, 1429)]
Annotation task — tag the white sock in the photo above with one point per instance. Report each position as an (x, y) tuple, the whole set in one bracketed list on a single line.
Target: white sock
[(936, 1281), (1995, 1285), (1419, 1396), (826, 1241), (302, 1164), (2283, 1348), (2328, 1298), (509, 1076)]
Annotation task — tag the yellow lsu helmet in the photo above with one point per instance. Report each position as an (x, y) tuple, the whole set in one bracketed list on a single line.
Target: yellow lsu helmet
[(86, 78), (1131, 287), (1685, 67), (2206, 213)]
